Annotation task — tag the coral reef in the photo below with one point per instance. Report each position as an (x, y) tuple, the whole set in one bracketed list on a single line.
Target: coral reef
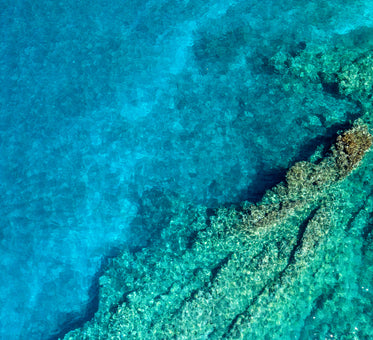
[(224, 275), (276, 269), (351, 146), (343, 68)]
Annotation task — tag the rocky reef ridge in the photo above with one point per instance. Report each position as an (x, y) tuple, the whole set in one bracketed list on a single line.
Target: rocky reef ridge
[(297, 264)]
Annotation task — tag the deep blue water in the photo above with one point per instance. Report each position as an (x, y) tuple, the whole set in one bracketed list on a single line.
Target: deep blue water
[(103, 101)]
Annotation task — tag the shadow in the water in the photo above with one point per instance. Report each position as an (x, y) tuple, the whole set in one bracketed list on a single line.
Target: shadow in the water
[(76, 320), (268, 178)]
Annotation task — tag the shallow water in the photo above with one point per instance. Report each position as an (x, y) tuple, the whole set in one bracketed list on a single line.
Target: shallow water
[(103, 102)]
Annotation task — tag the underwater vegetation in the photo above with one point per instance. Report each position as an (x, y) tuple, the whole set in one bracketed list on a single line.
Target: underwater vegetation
[(293, 265), (351, 147)]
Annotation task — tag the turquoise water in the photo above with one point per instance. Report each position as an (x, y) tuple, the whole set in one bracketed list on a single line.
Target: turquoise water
[(105, 106)]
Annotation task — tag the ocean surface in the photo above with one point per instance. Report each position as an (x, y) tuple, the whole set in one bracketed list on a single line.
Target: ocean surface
[(107, 105)]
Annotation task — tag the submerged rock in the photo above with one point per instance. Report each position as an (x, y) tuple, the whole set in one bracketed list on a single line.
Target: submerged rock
[(283, 266), (351, 146), (298, 264)]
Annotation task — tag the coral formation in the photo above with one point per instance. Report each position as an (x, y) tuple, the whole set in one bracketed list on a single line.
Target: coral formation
[(351, 146), (339, 70), (275, 269), (222, 276)]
